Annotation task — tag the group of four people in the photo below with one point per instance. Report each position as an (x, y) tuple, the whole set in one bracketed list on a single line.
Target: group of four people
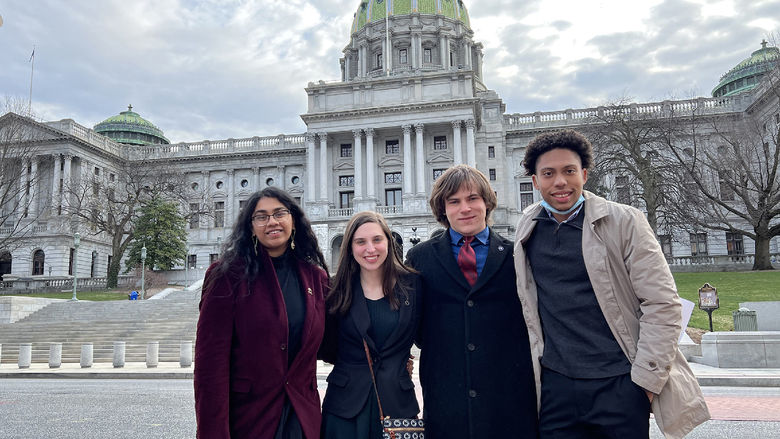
[(570, 332)]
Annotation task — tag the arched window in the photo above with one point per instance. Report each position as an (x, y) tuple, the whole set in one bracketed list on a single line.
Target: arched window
[(335, 249), (39, 257)]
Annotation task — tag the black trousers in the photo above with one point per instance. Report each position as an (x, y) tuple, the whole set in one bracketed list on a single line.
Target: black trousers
[(602, 408)]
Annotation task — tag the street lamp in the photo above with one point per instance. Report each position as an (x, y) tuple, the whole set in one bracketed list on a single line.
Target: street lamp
[(414, 239), (143, 271), (76, 242), (186, 266)]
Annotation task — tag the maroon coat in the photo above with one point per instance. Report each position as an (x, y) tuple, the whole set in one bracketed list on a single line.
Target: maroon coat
[(241, 370)]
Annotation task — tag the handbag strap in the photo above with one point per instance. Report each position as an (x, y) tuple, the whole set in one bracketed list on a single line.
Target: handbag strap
[(373, 380)]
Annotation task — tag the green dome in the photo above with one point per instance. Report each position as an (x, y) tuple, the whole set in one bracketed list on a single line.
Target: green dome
[(370, 11), (130, 128), (747, 74)]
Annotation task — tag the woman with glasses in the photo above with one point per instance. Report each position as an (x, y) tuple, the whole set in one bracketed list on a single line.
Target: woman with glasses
[(375, 299), (261, 323)]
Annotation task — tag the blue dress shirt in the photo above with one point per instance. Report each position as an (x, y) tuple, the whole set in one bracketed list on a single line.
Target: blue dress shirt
[(479, 244)]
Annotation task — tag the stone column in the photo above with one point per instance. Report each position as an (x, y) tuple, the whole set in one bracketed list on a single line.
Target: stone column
[(55, 355), (471, 149), (443, 51), (280, 174), (370, 165), (33, 209), (25, 355), (55, 185), (152, 354), (347, 65), (119, 354), (256, 178), (323, 166), (407, 176), (23, 187), (86, 355), (468, 53), (206, 175), (358, 161), (230, 174), (66, 183), (310, 168), (185, 354), (419, 163), (456, 148)]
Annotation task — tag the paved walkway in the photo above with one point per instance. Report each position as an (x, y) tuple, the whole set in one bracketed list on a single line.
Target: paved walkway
[(722, 406)]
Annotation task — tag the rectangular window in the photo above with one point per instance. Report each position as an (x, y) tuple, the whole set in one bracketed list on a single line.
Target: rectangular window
[(393, 197), (345, 201), (241, 204), (97, 170), (346, 180), (192, 261), (378, 64), (391, 147), (95, 188), (666, 245), (622, 190), (108, 266), (213, 257), (402, 56), (725, 182), (194, 216), (70, 265), (346, 150), (111, 177), (437, 173), (427, 58), (452, 59), (734, 244), (219, 214), (440, 142), (393, 178), (492, 174), (698, 244), (526, 195), (491, 152)]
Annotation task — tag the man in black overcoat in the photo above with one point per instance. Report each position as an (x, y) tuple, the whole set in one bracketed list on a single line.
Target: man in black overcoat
[(475, 366)]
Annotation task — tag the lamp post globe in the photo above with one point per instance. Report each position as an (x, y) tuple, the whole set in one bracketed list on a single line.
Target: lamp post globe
[(76, 242), (143, 271)]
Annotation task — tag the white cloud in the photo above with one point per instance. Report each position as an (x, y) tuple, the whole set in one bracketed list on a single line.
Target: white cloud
[(213, 69)]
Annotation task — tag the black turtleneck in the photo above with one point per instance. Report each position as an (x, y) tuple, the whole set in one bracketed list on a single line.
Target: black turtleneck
[(287, 273)]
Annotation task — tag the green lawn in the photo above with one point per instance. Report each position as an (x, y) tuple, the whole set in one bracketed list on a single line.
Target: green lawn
[(733, 287), (83, 295)]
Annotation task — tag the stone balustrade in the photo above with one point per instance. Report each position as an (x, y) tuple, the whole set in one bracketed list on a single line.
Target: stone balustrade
[(573, 117), (208, 147), (86, 357), (59, 283), (715, 262)]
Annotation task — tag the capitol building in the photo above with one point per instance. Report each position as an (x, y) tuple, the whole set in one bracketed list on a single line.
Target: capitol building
[(411, 102)]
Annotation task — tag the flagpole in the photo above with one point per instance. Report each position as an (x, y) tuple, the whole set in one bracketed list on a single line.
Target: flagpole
[(32, 69)]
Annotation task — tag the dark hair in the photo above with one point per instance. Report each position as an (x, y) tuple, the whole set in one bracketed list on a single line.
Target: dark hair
[(239, 250), (339, 299), (451, 181), (565, 139)]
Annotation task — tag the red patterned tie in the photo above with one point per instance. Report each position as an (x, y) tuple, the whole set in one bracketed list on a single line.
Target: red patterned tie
[(467, 260)]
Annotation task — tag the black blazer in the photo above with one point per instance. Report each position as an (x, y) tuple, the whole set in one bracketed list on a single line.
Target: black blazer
[(349, 384), (475, 365)]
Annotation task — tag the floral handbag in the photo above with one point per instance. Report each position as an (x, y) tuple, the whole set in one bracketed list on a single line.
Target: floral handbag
[(395, 428)]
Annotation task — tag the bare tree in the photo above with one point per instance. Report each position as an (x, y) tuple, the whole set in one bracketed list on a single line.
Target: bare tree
[(729, 169), (111, 207), (628, 145), (19, 178)]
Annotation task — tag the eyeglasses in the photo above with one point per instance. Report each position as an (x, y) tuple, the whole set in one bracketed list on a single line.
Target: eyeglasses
[(262, 219)]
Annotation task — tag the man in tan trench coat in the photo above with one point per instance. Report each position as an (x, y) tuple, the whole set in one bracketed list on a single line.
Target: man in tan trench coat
[(601, 307)]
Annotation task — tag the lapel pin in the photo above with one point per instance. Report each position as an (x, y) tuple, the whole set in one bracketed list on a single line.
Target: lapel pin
[(406, 302), (308, 290), (500, 248)]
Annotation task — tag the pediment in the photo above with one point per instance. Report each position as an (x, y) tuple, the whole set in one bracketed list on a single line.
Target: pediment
[(390, 161), (440, 157), (343, 166)]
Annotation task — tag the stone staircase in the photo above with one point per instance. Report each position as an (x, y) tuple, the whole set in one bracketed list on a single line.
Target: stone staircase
[(168, 321)]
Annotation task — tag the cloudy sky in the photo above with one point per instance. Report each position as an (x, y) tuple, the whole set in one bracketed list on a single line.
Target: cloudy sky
[(215, 69)]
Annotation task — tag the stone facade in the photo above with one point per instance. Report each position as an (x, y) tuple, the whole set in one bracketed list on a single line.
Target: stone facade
[(375, 140)]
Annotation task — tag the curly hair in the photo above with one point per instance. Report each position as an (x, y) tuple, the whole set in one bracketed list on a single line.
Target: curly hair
[(339, 299), (565, 139), (239, 250), (451, 181)]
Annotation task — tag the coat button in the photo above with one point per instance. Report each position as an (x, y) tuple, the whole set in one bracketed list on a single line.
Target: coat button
[(473, 393), (283, 346), (652, 364), (471, 347), (668, 368), (470, 303), (308, 290)]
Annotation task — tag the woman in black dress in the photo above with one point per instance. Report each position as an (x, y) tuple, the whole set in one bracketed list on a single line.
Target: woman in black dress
[(374, 298)]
